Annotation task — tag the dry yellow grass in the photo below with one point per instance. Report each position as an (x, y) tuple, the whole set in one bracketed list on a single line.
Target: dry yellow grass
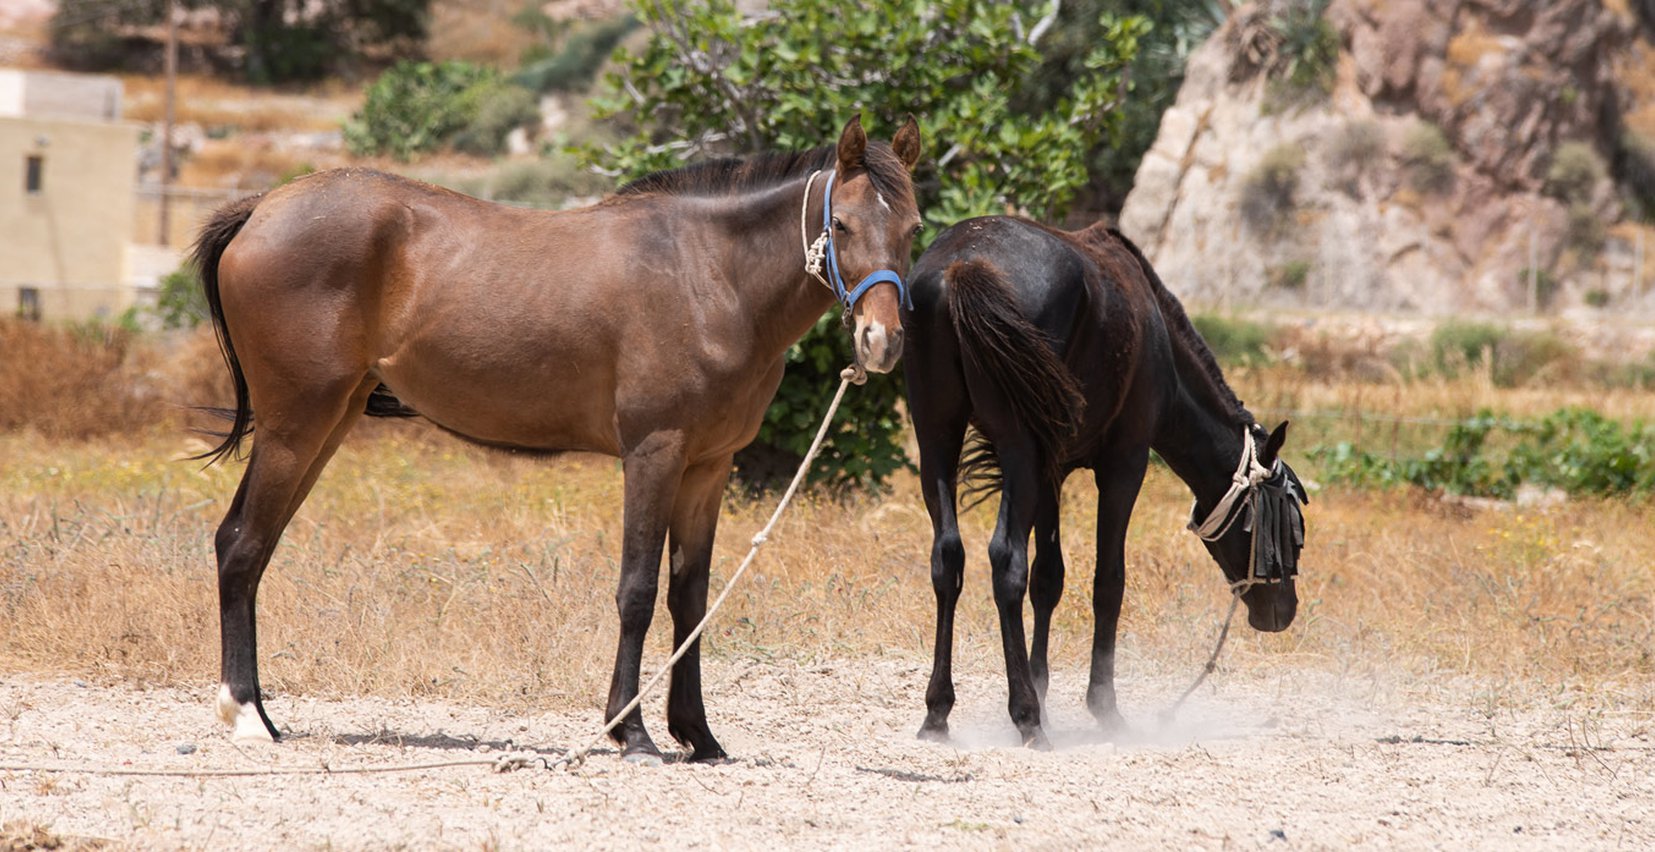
[(425, 566), (422, 566), (212, 102)]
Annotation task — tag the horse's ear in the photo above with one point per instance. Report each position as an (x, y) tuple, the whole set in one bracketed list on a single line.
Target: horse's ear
[(906, 143), (853, 143), (1272, 445)]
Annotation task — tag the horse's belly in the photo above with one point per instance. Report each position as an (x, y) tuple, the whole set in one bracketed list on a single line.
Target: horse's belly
[(547, 402)]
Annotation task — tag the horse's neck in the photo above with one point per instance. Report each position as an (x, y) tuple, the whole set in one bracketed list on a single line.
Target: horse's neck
[(1200, 433), (778, 297)]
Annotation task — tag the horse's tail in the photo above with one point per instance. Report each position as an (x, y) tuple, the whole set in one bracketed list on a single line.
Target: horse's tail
[(209, 249), (1020, 364)]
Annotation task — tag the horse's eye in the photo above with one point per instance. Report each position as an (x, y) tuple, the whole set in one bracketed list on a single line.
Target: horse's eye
[(840, 226)]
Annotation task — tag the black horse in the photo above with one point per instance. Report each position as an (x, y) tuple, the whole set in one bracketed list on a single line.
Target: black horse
[(1064, 350)]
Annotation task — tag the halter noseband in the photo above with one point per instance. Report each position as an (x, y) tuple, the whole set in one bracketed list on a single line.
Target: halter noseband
[(1246, 493), (823, 253)]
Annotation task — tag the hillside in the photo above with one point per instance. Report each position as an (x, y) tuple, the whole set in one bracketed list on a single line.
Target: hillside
[(1468, 155)]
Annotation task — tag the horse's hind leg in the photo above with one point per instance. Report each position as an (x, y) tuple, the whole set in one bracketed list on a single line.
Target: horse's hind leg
[(690, 545), (1009, 567), (939, 423), (1045, 584), (1118, 485), (289, 452)]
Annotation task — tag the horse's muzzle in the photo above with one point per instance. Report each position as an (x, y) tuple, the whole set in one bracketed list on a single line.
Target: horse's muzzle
[(1270, 609), (878, 348)]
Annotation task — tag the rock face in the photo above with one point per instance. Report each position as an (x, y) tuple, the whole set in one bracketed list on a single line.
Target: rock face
[(1427, 179)]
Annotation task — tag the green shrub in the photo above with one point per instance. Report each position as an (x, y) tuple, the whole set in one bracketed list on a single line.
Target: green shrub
[(1543, 284), (1574, 449), (572, 66), (1597, 297), (180, 300), (544, 182), (1635, 171), (1353, 148), (1291, 275), (501, 108), (421, 106), (1586, 232), (1234, 340), (1513, 358), (1307, 58), (1575, 171), (1428, 159), (864, 445), (1267, 192)]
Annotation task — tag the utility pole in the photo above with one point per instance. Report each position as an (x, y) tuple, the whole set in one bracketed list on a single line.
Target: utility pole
[(166, 123), (1534, 270)]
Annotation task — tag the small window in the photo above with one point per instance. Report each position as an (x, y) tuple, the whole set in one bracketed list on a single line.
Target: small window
[(34, 173), (28, 303)]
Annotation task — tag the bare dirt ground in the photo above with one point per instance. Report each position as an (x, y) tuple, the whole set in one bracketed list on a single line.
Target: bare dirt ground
[(824, 756)]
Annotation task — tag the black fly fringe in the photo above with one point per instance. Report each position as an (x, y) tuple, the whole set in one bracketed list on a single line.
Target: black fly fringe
[(1277, 525)]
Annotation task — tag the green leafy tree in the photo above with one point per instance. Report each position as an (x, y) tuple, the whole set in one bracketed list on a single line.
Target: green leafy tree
[(180, 301), (711, 82), (422, 106), (267, 41), (1177, 28)]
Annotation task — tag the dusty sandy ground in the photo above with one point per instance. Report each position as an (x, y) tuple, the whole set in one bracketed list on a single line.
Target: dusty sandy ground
[(824, 756)]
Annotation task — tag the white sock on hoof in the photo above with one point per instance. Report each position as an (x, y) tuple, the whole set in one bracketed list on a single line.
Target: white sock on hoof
[(242, 718)]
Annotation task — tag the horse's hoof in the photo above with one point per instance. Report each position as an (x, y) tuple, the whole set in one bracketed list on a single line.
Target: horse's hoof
[(643, 758), (1113, 725), (1036, 740), (933, 733), (711, 755), (247, 725)]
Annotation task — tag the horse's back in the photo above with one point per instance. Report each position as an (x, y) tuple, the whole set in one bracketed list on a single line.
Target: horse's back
[(1089, 298), (1045, 274)]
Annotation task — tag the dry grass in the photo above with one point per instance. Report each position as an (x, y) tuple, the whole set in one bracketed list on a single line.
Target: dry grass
[(64, 383), (250, 164), (424, 566), (25, 836), (214, 103)]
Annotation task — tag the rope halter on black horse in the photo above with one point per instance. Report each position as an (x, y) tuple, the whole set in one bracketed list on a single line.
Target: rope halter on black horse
[(1267, 497)]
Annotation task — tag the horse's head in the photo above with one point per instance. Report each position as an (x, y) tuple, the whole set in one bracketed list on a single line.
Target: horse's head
[(871, 221), (1259, 549)]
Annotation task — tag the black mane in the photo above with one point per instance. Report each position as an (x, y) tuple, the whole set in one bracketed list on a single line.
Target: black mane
[(1183, 331), (733, 175)]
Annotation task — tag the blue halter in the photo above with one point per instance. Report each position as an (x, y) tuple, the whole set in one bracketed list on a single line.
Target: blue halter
[(834, 280)]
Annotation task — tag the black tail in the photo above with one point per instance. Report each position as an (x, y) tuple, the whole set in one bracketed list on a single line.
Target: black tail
[(1020, 363), (209, 249)]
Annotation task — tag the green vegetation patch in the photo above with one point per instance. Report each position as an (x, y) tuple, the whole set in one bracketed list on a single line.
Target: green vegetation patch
[(421, 106), (1575, 450)]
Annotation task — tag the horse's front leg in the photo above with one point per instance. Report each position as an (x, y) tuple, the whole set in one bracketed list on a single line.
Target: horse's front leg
[(694, 521), (653, 469), (1009, 566), (1118, 485), (1045, 584)]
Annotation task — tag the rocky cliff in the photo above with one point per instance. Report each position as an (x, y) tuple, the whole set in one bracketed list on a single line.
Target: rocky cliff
[(1457, 155)]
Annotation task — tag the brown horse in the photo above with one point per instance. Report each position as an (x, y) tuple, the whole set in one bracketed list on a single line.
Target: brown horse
[(651, 326)]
